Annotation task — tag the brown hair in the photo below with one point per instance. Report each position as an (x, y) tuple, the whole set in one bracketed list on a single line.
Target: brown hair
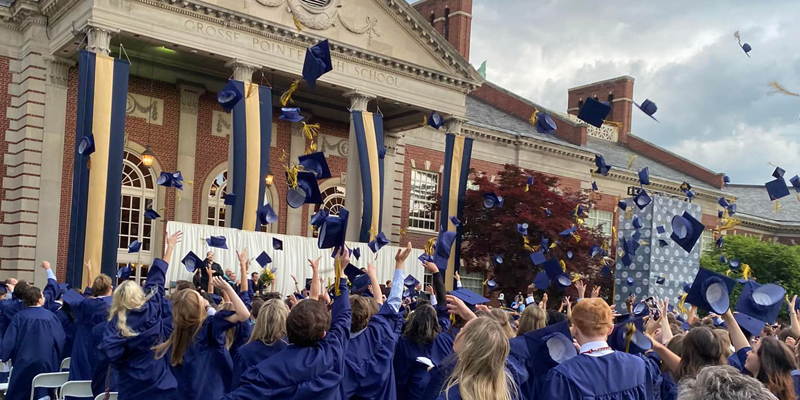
[(775, 371), (255, 307), (29, 295), (532, 318), (724, 341), (101, 285), (188, 315), (422, 325), (307, 323), (183, 285), (363, 309), (592, 317), (502, 318), (701, 348)]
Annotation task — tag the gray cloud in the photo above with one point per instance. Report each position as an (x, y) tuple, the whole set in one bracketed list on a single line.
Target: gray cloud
[(714, 102)]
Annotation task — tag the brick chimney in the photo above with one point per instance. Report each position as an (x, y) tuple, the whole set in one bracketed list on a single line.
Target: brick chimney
[(451, 18), (617, 91)]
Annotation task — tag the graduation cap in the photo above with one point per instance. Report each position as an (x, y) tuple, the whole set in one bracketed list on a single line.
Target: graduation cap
[(553, 268), (277, 244), (600, 163), (637, 222), (351, 272), (377, 243), (361, 283), (497, 259), (454, 219), (523, 228), (749, 324), (686, 230), (623, 205), (491, 284), (125, 272), (648, 107), (777, 189), (726, 179), (641, 309), (763, 302), (177, 176), (356, 253), (570, 255), (550, 346), (307, 191), (710, 291), (595, 250), (594, 112), (192, 262), (662, 243), (660, 280), (217, 241), (746, 48), (317, 62), (541, 281), (469, 297), (229, 96), (637, 234), (594, 186), (644, 176), (568, 231), (444, 243), (316, 163), (165, 179), (492, 200), (629, 337), (722, 259), (291, 114), (537, 258), (605, 271), (151, 214), (723, 202), (424, 258), (630, 281), (410, 282), (435, 120), (134, 246), (660, 230), (795, 181), (642, 199), (86, 145), (332, 232), (266, 215), (778, 172), (720, 241), (230, 199), (544, 123), (563, 281), (263, 259)]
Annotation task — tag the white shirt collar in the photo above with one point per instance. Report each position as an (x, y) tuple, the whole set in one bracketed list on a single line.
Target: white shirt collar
[(593, 346)]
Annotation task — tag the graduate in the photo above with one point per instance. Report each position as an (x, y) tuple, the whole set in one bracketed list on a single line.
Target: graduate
[(87, 312), (598, 370), (268, 338), (312, 366), (11, 306), (373, 337), (104, 377), (33, 343), (136, 325)]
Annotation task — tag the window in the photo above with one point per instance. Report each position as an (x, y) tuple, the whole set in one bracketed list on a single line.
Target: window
[(424, 188), (332, 201), (447, 23), (432, 18), (216, 200), (706, 240), (472, 281), (138, 195), (604, 219), (580, 103), (471, 185)]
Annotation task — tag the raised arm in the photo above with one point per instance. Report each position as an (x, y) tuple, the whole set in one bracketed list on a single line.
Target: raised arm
[(341, 314), (738, 340), (172, 240), (243, 284), (156, 276), (457, 277), (314, 294), (666, 330), (373, 282), (669, 358), (438, 282), (794, 327), (396, 293), (50, 291), (240, 310)]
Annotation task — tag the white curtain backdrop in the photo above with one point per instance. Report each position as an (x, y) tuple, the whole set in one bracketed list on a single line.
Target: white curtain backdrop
[(292, 260)]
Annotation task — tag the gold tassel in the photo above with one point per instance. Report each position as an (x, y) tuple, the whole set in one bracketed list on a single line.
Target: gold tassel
[(629, 213), (576, 277), (630, 329), (430, 246), (310, 130), (631, 159), (286, 96), (297, 23), (291, 177), (336, 289), (778, 88), (553, 245), (682, 302), (576, 237), (89, 165), (777, 205), (424, 120), (534, 117), (644, 242), (746, 272), (563, 265), (312, 148)]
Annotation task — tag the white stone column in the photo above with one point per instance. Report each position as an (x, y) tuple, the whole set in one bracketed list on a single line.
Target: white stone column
[(354, 200), (99, 39), (187, 144), (453, 125), (242, 71)]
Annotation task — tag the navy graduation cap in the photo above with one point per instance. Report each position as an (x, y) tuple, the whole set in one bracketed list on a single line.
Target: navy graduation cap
[(192, 262), (277, 244), (134, 246), (377, 243), (660, 280), (711, 291), (594, 112), (623, 205), (307, 191), (553, 268), (86, 145), (410, 282), (637, 222), (629, 337), (352, 272), (497, 259), (644, 176), (537, 258), (544, 123), (686, 230), (217, 241), (331, 234), (550, 346), (778, 172), (563, 281), (642, 199), (266, 215), (230, 199), (660, 230), (600, 163), (263, 259), (662, 243), (523, 228), (124, 273), (317, 62), (795, 181), (229, 96), (594, 186), (641, 309), (444, 244), (492, 200), (435, 120), (291, 114), (356, 253), (151, 214), (541, 281), (491, 284), (762, 302), (648, 107), (749, 324), (469, 297), (777, 189), (165, 179), (316, 164)]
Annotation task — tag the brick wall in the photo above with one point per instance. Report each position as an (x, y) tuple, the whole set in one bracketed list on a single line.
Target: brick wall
[(5, 102), (620, 88), (675, 162), (459, 24)]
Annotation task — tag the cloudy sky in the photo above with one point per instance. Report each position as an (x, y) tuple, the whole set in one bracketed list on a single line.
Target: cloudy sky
[(714, 103)]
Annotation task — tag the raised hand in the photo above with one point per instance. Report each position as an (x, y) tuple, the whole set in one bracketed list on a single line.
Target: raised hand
[(429, 289), (314, 264), (457, 276), (402, 254), (456, 306), (543, 303), (46, 265), (430, 267), (581, 288), (173, 239), (792, 303), (220, 283), (371, 271), (596, 291), (242, 256)]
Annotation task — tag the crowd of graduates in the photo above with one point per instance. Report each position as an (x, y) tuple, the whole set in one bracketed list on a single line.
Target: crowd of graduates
[(234, 340)]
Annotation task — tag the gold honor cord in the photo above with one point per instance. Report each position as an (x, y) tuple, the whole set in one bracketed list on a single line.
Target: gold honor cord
[(630, 329)]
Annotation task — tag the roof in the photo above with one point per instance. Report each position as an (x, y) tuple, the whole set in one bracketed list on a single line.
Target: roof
[(6, 3), (753, 200)]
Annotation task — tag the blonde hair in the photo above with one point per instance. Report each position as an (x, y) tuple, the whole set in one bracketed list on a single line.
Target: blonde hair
[(128, 296), (270, 324), (725, 341), (532, 318), (188, 315), (502, 318), (480, 373)]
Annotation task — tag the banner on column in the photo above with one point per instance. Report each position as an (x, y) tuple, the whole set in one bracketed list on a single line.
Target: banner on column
[(97, 172), (252, 135), (457, 155), (369, 142)]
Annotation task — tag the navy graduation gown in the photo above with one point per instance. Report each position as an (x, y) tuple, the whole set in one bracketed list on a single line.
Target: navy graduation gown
[(69, 329), (141, 376), (206, 368), (10, 308), (443, 345), (452, 394), (368, 363), (242, 334), (33, 342), (101, 367), (87, 313), (303, 373), (251, 354), (437, 376), (796, 381), (614, 376), (409, 374)]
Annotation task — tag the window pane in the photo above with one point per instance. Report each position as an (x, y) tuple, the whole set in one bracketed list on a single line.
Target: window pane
[(604, 219), (424, 188)]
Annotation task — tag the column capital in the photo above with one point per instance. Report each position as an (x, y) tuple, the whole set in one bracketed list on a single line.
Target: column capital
[(99, 38), (454, 124), (190, 97), (58, 70), (358, 100), (242, 70)]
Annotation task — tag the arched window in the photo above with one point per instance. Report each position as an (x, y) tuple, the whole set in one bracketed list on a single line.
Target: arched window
[(138, 195), (216, 200), (332, 201), (447, 23)]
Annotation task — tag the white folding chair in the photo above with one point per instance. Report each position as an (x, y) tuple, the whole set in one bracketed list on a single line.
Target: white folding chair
[(52, 380), (102, 396), (65, 364), (76, 389)]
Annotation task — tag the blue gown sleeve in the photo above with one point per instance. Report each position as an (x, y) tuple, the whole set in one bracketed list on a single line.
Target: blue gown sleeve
[(653, 371), (50, 291), (341, 316), (443, 316), (156, 276), (217, 326), (739, 358), (8, 349)]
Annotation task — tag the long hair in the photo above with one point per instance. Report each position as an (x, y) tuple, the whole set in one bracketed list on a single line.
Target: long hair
[(776, 365), (480, 373), (188, 315), (128, 296), (532, 318), (502, 318), (701, 348), (230, 334), (270, 324), (422, 326)]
